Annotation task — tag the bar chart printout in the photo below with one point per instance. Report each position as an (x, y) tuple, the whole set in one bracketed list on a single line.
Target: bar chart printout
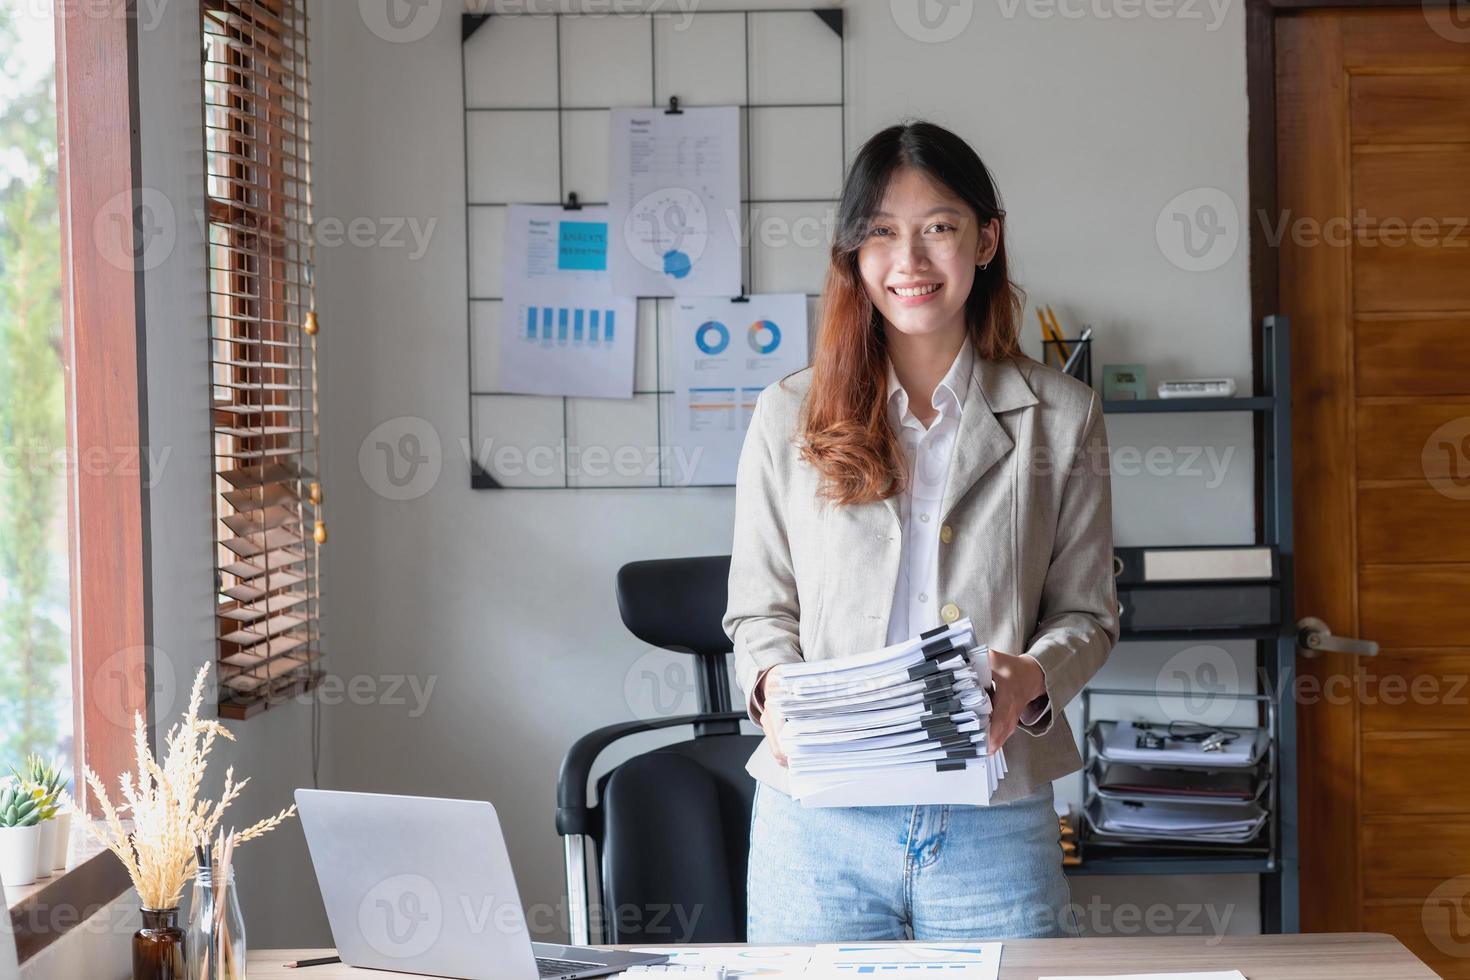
[(564, 340), (908, 961)]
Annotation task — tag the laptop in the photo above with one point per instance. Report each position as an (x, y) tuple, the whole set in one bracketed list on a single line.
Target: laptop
[(421, 885)]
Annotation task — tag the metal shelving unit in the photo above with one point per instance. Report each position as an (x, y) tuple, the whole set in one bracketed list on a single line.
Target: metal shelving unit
[(1278, 867)]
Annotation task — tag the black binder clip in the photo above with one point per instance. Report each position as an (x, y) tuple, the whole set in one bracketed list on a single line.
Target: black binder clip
[(742, 298), (673, 109), (1149, 740), (572, 203)]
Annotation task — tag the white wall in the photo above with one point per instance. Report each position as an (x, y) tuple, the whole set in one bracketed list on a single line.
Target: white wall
[(1091, 124)]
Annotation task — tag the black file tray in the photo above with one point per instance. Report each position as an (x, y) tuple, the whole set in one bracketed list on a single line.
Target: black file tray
[(1098, 732), (1099, 768)]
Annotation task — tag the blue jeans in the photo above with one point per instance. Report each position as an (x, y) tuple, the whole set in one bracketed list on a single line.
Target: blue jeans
[(864, 874)]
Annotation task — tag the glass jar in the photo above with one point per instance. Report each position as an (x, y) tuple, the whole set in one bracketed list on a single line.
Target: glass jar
[(216, 936), (158, 947)]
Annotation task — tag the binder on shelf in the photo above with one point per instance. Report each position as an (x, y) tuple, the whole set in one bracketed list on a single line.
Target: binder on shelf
[(1179, 590), (1223, 563)]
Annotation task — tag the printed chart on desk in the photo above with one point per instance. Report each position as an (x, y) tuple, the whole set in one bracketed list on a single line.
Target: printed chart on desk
[(648, 215)]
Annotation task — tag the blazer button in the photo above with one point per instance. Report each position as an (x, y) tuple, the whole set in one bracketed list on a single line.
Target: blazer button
[(946, 534), (949, 612)]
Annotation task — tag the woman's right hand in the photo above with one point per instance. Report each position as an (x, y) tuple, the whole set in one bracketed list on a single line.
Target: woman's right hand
[(771, 717)]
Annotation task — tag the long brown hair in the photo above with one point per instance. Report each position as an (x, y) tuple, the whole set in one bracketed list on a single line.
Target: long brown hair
[(846, 434)]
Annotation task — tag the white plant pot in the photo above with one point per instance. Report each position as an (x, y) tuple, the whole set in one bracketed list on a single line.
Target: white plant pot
[(45, 847), (63, 841), (20, 850)]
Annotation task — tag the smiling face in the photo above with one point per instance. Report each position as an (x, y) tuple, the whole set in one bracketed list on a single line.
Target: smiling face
[(919, 256)]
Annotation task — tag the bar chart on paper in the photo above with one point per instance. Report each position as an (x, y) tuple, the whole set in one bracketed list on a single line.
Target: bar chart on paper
[(567, 340), (971, 961), (571, 325)]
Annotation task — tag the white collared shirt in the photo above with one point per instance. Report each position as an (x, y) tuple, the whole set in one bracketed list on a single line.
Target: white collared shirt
[(928, 452)]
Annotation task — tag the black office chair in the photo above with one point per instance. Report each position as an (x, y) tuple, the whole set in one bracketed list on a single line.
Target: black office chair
[(671, 825)]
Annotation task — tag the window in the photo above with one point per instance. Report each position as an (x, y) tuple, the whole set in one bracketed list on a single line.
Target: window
[(268, 499), (35, 613)]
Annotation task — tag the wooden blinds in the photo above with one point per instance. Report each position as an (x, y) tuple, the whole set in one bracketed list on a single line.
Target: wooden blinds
[(263, 351)]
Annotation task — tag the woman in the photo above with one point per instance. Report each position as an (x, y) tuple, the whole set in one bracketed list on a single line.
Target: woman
[(920, 471)]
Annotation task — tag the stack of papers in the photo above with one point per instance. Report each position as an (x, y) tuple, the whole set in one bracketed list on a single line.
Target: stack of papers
[(1203, 822), (908, 723)]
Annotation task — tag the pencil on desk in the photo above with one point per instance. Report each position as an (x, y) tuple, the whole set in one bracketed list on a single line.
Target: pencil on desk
[(319, 961)]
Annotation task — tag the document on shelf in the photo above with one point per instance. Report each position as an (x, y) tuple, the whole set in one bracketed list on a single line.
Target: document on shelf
[(959, 960), (904, 724), (1121, 745)]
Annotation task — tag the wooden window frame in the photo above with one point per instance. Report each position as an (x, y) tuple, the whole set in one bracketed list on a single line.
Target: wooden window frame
[(107, 506)]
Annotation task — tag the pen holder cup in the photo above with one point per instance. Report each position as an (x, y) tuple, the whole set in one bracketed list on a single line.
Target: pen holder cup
[(1072, 356)]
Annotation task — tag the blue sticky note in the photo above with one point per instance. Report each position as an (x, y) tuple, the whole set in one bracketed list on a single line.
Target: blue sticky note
[(582, 245)]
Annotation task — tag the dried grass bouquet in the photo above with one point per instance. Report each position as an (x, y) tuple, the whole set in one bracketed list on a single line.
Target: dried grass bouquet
[(168, 817)]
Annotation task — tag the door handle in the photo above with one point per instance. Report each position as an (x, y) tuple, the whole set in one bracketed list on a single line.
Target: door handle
[(1313, 635)]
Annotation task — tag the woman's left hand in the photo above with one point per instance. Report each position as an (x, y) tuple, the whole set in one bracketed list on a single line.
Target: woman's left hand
[(1017, 681)]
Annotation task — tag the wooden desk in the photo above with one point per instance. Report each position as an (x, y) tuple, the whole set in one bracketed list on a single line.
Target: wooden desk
[(1321, 956)]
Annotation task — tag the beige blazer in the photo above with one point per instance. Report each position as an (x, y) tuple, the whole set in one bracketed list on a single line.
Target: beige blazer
[(1026, 547)]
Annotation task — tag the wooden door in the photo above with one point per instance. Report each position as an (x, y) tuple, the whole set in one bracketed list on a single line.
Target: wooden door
[(1373, 130)]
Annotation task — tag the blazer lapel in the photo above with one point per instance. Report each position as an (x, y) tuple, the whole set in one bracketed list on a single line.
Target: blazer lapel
[(995, 387)]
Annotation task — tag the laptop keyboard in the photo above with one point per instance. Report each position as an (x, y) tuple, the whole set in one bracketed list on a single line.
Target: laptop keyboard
[(548, 967)]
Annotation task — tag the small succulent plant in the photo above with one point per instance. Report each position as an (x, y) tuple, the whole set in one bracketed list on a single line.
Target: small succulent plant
[(19, 807), (44, 781)]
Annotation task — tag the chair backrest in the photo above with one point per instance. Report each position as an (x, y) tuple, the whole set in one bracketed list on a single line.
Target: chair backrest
[(679, 604), (675, 828)]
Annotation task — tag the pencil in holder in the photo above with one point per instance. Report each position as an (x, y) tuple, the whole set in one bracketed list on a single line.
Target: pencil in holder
[(1073, 356)]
